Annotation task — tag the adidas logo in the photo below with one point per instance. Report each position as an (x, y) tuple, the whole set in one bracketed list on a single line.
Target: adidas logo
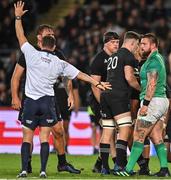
[(106, 60)]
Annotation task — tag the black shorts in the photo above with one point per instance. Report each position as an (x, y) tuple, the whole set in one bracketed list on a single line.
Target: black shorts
[(110, 106), (95, 107), (61, 98), (21, 110), (40, 112), (134, 94)]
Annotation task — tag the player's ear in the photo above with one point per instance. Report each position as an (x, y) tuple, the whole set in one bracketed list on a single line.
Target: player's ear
[(39, 37), (54, 47), (153, 45)]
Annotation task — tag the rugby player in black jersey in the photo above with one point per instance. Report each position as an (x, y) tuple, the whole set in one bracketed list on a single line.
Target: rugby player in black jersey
[(99, 72), (115, 102)]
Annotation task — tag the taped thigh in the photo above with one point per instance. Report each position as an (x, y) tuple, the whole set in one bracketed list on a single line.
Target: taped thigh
[(125, 121), (108, 123)]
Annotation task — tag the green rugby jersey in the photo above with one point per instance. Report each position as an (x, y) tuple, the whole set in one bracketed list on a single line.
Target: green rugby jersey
[(154, 62)]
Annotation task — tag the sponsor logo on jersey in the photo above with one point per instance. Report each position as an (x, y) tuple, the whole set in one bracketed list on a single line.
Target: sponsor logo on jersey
[(29, 121), (49, 120), (46, 60)]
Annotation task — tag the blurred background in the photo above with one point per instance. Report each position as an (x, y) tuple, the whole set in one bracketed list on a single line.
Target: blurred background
[(79, 27)]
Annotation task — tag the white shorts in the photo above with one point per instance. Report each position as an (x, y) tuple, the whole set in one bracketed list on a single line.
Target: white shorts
[(157, 109)]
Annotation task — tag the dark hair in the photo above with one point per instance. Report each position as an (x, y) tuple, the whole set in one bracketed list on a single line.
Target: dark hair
[(42, 27), (108, 36), (152, 37), (131, 35), (48, 41)]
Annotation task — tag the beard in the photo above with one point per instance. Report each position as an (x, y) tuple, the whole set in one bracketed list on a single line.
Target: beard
[(145, 54)]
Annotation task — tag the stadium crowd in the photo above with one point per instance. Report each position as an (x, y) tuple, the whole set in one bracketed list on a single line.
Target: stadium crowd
[(79, 33), (8, 41)]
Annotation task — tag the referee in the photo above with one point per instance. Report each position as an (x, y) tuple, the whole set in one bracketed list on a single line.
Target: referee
[(42, 70), (58, 130)]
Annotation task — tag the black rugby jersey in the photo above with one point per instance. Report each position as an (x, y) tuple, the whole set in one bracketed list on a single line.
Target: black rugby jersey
[(99, 65), (116, 75)]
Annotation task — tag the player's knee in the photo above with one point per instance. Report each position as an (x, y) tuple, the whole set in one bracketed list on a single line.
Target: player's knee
[(58, 131)]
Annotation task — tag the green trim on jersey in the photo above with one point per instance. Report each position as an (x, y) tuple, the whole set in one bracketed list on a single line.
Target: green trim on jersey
[(154, 63)]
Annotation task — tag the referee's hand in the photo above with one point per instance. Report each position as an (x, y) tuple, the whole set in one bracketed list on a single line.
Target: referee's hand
[(104, 85), (19, 8), (16, 103)]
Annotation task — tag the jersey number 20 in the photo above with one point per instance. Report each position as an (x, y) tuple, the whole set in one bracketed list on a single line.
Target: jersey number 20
[(112, 63)]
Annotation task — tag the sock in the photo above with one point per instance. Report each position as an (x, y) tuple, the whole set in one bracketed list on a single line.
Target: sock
[(141, 161), (44, 154), (162, 154), (104, 154), (62, 159), (147, 162), (25, 152), (98, 161), (136, 151), (121, 153), (30, 156), (114, 159)]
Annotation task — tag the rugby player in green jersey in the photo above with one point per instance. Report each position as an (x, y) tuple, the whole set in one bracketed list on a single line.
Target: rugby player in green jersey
[(154, 106)]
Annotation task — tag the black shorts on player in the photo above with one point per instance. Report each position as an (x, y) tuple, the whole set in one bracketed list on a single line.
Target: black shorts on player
[(95, 107), (61, 99), (111, 107), (40, 112)]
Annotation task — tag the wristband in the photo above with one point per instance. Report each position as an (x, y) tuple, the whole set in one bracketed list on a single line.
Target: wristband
[(98, 84), (146, 102), (17, 17)]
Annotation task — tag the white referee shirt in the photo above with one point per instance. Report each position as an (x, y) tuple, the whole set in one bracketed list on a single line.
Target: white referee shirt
[(42, 70)]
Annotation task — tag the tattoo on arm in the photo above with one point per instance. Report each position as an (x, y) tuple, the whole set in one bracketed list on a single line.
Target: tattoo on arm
[(151, 86)]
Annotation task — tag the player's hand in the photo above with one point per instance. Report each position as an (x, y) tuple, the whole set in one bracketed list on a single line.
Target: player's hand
[(104, 85), (19, 8), (143, 110), (70, 102), (16, 103)]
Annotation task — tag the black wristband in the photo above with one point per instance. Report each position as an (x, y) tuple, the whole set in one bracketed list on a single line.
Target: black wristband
[(98, 84), (146, 102), (17, 17)]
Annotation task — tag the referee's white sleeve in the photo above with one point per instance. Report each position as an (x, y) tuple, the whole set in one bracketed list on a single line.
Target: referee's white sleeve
[(29, 52), (69, 70)]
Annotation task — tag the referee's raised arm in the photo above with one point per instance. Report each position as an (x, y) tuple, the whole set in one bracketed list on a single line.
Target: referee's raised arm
[(19, 12)]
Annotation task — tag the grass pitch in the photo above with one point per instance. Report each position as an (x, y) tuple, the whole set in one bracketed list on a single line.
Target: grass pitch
[(10, 166)]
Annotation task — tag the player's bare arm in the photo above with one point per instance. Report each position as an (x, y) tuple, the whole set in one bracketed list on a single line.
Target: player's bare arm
[(130, 77), (15, 82), (151, 86), (70, 94), (87, 78), (19, 12), (95, 90)]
